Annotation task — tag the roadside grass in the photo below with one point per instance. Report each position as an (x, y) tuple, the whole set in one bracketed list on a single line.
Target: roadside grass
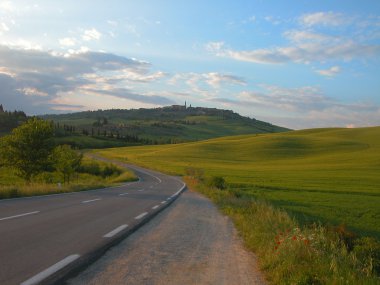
[(11, 186), (307, 202), (290, 253)]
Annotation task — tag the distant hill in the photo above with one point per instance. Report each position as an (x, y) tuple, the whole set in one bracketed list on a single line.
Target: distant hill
[(172, 124)]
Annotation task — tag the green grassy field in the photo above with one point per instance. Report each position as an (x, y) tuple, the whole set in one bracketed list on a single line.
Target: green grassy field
[(328, 175)]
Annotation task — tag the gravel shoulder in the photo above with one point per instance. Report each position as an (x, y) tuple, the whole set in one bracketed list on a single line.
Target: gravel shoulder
[(190, 242)]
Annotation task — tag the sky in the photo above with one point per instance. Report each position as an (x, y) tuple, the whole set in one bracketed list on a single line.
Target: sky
[(296, 63)]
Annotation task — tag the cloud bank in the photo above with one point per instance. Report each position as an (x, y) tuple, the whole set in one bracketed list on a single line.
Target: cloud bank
[(38, 81)]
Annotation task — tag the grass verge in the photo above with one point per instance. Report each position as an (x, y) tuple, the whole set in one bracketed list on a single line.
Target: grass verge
[(293, 254), (93, 175)]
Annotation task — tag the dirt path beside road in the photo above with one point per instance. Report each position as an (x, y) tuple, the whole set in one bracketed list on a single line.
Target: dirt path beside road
[(190, 242)]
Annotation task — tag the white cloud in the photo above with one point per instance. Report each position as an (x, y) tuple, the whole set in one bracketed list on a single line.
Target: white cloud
[(200, 81), (287, 99), (33, 92), (215, 47), (92, 34), (330, 72), (3, 28), (324, 19), (67, 42), (37, 81), (21, 44), (300, 36), (272, 20), (215, 79), (306, 48), (302, 107), (6, 6)]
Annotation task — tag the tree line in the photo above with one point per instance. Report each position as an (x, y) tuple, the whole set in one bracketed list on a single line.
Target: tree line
[(9, 120)]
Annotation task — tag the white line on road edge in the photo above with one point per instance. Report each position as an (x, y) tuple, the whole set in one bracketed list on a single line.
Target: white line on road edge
[(89, 201), (123, 194), (115, 231), (51, 270), (163, 202), (168, 198), (141, 215), (155, 207), (17, 216)]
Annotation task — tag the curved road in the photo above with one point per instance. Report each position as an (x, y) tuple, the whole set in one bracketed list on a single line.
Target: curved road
[(41, 237)]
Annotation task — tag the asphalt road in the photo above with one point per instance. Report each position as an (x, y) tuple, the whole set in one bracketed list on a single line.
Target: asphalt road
[(40, 236)]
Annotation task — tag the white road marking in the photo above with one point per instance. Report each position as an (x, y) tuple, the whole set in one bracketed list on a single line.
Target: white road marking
[(140, 190), (155, 207), (20, 215), (141, 215), (93, 200), (123, 194), (169, 198), (115, 231), (51, 270), (163, 202)]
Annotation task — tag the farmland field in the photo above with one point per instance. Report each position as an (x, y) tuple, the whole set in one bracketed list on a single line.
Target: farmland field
[(328, 175)]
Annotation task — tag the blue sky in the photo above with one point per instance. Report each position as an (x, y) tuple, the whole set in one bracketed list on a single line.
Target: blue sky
[(299, 64)]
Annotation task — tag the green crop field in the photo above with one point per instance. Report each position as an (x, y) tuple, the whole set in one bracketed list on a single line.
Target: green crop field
[(327, 175)]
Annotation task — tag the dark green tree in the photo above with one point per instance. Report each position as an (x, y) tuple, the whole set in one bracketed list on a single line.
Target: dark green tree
[(28, 148), (66, 161)]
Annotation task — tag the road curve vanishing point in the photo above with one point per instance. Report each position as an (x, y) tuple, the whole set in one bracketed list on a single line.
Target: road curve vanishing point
[(43, 239)]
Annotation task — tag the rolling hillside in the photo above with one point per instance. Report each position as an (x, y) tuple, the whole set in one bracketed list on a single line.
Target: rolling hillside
[(171, 124), (329, 175)]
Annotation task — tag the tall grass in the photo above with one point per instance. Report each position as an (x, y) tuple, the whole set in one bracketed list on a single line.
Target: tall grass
[(289, 253)]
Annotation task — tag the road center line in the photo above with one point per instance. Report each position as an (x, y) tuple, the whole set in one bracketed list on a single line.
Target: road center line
[(163, 202), (155, 207), (51, 270), (115, 231), (140, 190), (20, 215), (89, 201), (141, 215), (123, 194)]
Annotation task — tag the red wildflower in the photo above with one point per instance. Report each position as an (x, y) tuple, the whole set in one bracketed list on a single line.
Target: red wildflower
[(294, 238), (278, 242)]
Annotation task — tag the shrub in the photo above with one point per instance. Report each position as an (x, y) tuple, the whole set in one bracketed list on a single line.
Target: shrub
[(217, 182), (45, 177), (92, 168), (110, 170), (66, 161)]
